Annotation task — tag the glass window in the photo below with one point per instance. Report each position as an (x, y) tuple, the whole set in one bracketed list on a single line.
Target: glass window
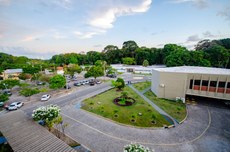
[(221, 84), (213, 83), (228, 86), (197, 82), (205, 83), (191, 84)]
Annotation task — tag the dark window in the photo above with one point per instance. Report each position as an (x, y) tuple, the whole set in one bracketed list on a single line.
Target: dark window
[(213, 83), (221, 84), (191, 84), (228, 86), (197, 82), (205, 83)]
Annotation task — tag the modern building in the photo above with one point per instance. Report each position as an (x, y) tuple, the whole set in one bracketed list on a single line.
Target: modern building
[(135, 68), (60, 70), (11, 74), (177, 82)]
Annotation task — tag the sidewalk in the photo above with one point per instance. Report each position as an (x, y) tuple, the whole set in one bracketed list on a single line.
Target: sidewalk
[(162, 112)]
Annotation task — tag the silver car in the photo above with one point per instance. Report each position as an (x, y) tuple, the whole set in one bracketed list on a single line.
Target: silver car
[(15, 105)]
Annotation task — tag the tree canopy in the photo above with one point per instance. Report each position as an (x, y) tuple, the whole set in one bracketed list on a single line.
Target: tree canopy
[(57, 81)]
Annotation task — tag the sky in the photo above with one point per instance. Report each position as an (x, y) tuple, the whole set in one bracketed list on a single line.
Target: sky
[(42, 28)]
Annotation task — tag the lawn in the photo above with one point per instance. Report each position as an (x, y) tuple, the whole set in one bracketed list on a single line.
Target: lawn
[(176, 109), (139, 114), (141, 86)]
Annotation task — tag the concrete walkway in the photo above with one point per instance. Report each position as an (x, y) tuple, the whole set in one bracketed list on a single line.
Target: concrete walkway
[(162, 112)]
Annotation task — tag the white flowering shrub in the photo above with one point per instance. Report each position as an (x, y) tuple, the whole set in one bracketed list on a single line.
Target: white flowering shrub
[(136, 148), (46, 113)]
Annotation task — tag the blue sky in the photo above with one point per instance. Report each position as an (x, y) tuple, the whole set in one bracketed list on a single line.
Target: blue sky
[(42, 28)]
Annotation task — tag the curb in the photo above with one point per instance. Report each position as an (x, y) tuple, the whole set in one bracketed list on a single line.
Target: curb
[(185, 116)]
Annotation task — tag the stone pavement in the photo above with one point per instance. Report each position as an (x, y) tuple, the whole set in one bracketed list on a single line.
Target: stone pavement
[(100, 134), (162, 112)]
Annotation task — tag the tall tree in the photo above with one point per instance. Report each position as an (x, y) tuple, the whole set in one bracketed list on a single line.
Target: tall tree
[(129, 48), (128, 61), (95, 71)]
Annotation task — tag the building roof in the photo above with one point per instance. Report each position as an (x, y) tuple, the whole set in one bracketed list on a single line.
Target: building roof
[(195, 69), (59, 68), (137, 67), (10, 71), (23, 134)]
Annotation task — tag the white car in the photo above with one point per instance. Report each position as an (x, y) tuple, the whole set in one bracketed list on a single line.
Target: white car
[(15, 105), (45, 97)]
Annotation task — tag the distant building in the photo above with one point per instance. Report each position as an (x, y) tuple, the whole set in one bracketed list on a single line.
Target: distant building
[(177, 82), (135, 68), (11, 74), (60, 70)]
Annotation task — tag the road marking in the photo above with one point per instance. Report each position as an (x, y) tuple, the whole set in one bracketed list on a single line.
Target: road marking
[(147, 143)]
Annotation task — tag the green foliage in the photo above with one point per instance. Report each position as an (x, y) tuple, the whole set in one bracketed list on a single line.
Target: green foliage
[(45, 78), (145, 63), (29, 92), (124, 94), (128, 61), (120, 83), (57, 81), (4, 97), (9, 83), (94, 71), (136, 148), (31, 69), (74, 68)]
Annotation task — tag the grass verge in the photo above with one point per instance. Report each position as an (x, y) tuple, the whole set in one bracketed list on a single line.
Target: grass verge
[(175, 109), (139, 114), (141, 86)]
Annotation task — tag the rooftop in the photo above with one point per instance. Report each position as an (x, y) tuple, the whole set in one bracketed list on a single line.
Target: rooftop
[(195, 69), (9, 71)]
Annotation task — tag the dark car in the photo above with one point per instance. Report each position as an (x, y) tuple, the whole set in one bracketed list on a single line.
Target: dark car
[(92, 82), (112, 75), (7, 92), (67, 87)]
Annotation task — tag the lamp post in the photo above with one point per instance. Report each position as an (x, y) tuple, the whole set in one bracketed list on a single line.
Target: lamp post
[(5, 85)]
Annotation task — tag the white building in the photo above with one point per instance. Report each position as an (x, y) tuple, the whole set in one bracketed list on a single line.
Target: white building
[(135, 68), (176, 82)]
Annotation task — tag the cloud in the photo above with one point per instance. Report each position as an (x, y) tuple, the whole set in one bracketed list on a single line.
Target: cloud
[(208, 34), (30, 38), (97, 45), (5, 2), (66, 4), (198, 3), (225, 13), (193, 38), (105, 18)]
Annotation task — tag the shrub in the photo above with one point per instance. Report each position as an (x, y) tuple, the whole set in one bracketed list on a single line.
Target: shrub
[(28, 92), (57, 81), (3, 97), (137, 148), (49, 114)]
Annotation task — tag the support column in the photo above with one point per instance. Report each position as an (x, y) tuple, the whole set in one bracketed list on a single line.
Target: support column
[(209, 81)]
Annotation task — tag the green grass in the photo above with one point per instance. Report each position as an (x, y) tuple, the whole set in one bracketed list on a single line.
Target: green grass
[(176, 109), (103, 105), (141, 86)]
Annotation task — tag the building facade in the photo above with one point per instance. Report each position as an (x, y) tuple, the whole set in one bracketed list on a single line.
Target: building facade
[(135, 68), (11, 74), (177, 82)]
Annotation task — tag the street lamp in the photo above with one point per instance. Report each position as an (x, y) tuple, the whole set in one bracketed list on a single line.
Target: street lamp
[(5, 85)]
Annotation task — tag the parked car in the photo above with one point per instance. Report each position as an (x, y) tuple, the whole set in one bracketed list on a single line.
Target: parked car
[(98, 82), (7, 92), (40, 83), (91, 83), (77, 84), (112, 75), (1, 104), (45, 97), (15, 105), (67, 87), (86, 81)]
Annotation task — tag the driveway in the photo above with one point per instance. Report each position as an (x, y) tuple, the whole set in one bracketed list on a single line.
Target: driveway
[(204, 130)]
